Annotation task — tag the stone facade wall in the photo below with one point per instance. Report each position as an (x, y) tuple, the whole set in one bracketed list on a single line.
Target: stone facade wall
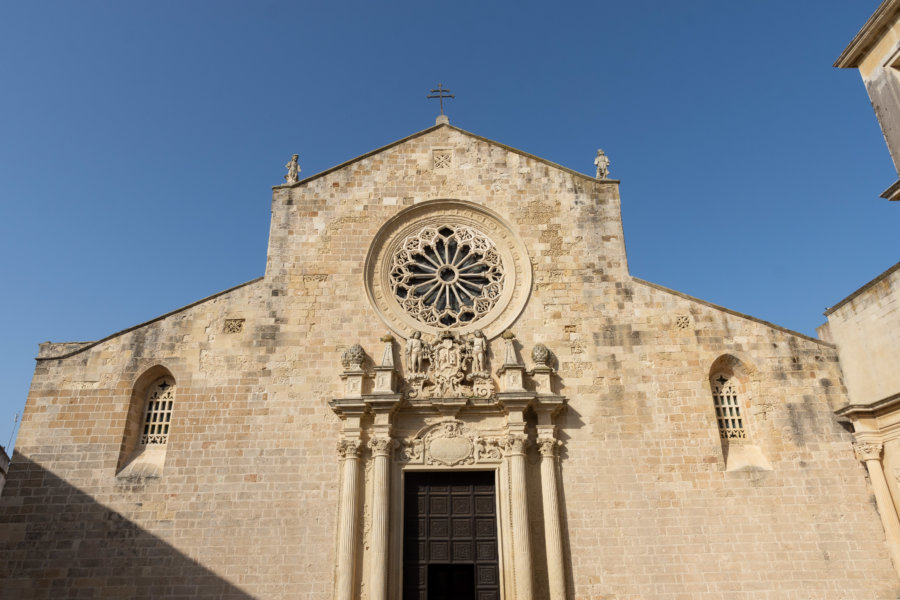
[(866, 328), (246, 504)]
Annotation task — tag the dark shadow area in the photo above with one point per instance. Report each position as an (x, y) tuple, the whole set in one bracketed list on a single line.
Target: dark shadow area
[(58, 542)]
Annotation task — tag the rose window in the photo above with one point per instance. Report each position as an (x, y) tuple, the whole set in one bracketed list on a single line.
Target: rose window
[(447, 276)]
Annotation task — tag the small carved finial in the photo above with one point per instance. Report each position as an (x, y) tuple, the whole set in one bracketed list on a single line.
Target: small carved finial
[(602, 163), (510, 357), (540, 355), (353, 357), (387, 355), (293, 174)]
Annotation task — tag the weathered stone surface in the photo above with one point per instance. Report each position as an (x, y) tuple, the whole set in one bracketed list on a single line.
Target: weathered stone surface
[(246, 503)]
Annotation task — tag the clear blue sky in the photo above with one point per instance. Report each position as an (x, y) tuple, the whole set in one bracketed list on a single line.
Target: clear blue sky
[(139, 141)]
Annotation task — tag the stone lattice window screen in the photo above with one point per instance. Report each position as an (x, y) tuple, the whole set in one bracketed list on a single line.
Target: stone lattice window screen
[(158, 412), (233, 326), (447, 276), (728, 410), (442, 159)]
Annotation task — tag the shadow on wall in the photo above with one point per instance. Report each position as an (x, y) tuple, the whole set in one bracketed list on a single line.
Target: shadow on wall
[(57, 542)]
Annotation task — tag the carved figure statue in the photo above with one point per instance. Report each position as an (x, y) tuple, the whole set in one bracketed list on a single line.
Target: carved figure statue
[(414, 353), (602, 163), (479, 350), (293, 167)]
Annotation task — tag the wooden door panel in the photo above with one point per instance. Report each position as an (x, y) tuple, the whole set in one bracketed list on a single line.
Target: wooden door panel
[(450, 536)]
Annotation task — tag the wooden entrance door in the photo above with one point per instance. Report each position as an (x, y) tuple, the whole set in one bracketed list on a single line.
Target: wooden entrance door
[(450, 536)]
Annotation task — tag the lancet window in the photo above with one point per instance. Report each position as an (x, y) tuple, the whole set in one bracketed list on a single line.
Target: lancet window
[(728, 408), (158, 412)]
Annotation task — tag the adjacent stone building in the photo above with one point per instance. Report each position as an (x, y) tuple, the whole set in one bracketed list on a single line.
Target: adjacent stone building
[(875, 52), (446, 384)]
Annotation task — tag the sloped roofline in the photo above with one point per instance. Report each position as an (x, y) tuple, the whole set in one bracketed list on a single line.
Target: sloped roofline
[(88, 345), (429, 130), (880, 21), (734, 312), (861, 290)]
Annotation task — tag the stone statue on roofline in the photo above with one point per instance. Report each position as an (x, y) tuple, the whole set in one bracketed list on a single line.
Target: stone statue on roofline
[(293, 167), (602, 163)]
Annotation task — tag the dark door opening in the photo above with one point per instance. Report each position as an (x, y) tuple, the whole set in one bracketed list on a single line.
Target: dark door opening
[(451, 582), (450, 536)]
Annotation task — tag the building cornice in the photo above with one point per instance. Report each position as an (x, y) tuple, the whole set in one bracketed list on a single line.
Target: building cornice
[(873, 409), (863, 42)]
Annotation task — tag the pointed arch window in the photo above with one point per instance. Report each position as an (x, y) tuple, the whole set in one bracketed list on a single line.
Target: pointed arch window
[(158, 412), (151, 410), (726, 399)]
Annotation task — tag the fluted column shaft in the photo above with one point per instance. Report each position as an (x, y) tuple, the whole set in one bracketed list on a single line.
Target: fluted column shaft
[(519, 516), (347, 520), (870, 454), (552, 529), (381, 482)]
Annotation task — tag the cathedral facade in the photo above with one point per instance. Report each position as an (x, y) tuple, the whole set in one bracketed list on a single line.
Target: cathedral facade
[(446, 384)]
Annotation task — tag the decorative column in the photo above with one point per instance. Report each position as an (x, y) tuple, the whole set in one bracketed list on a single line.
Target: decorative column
[(515, 456), (548, 406), (381, 453), (350, 409), (552, 532), (382, 403), (870, 454), (347, 520), (515, 401)]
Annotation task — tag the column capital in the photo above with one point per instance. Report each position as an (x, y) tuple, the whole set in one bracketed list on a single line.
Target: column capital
[(548, 445), (866, 451), (349, 448), (382, 446), (515, 443)]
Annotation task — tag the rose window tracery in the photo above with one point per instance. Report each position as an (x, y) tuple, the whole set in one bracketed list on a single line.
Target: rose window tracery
[(447, 276)]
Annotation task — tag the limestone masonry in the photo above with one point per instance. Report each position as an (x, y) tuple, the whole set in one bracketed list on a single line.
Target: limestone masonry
[(446, 377)]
